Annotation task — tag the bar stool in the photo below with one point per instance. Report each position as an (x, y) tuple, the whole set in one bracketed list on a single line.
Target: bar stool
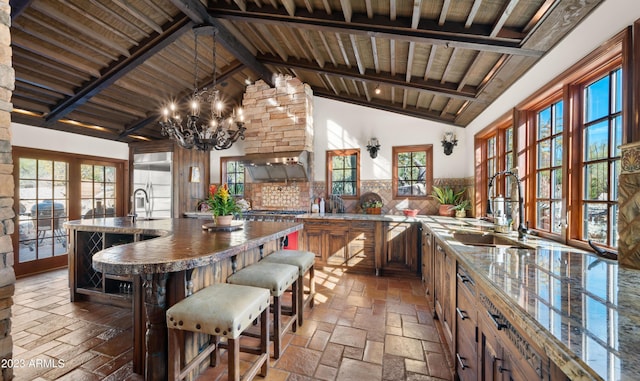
[(304, 261), (219, 310), (277, 278)]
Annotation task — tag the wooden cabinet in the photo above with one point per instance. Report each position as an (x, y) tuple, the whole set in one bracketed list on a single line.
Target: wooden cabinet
[(466, 346), (85, 283), (362, 244), (444, 293), (427, 271), (402, 250), (367, 246)]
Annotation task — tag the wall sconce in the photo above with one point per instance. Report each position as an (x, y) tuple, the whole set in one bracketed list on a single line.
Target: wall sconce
[(373, 147), (448, 142)]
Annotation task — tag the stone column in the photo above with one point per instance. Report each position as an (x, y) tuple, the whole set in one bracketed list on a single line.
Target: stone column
[(7, 276), (629, 204)]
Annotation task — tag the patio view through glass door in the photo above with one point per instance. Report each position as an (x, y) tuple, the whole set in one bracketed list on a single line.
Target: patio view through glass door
[(43, 190)]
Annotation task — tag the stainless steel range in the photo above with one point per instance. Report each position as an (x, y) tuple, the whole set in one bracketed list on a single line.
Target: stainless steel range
[(271, 215)]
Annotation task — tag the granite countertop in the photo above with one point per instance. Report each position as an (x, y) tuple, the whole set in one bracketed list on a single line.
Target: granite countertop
[(181, 244), (359, 217), (582, 310)]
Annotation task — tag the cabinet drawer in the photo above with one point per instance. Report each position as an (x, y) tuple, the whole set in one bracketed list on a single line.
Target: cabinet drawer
[(367, 226), (466, 358), (466, 313)]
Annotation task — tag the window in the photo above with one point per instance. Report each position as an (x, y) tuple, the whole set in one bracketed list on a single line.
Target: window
[(343, 173), (494, 154), (233, 175), (98, 190), (43, 201), (412, 171), (548, 177), (602, 136), (565, 140)]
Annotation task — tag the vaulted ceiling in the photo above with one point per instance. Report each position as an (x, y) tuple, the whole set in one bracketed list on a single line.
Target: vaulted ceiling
[(105, 68)]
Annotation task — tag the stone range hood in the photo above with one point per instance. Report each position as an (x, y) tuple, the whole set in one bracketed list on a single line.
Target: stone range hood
[(279, 144), (278, 166)]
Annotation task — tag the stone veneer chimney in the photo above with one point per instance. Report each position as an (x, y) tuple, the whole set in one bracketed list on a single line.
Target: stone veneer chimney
[(629, 204), (7, 276), (279, 119)]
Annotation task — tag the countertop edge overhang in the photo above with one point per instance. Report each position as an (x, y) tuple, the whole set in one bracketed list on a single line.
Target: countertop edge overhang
[(360, 217), (181, 244), (570, 363)]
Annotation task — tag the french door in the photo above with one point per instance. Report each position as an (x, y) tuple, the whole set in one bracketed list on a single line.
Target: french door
[(52, 188)]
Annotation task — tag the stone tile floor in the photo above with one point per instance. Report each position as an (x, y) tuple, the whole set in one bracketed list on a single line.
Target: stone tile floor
[(362, 327)]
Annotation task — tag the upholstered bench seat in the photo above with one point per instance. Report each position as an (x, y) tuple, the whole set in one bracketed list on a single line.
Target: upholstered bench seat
[(304, 260), (276, 278), (219, 310)]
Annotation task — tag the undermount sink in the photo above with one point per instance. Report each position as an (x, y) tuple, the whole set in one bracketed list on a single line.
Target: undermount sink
[(486, 239)]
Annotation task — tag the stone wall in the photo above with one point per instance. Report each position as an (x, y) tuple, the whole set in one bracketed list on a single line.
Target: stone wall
[(7, 276), (629, 204), (279, 119)]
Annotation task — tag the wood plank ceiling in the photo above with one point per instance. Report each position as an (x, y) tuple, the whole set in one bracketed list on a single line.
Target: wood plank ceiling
[(105, 68)]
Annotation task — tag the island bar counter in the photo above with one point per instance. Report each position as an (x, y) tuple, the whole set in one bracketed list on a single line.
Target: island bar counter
[(181, 259)]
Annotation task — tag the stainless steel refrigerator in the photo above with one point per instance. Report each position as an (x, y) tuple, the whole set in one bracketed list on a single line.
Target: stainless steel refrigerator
[(153, 173)]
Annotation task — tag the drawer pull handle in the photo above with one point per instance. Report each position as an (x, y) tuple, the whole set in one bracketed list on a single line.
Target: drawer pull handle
[(440, 249), (463, 278), (460, 359), (494, 318), (462, 314)]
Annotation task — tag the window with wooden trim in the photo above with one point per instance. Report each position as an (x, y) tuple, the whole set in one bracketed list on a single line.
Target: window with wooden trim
[(573, 152), (343, 173), (233, 175), (602, 137), (548, 172), (412, 171), (494, 152)]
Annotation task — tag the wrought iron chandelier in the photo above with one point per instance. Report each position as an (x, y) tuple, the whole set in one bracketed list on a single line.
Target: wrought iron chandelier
[(194, 131)]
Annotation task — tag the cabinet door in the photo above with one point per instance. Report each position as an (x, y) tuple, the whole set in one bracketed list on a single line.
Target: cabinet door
[(466, 328), (337, 240), (402, 246), (490, 362), (362, 245), (313, 241), (427, 264), (445, 282)]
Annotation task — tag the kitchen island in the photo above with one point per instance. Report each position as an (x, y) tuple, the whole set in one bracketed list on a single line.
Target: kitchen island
[(532, 309), (364, 243), (160, 262)]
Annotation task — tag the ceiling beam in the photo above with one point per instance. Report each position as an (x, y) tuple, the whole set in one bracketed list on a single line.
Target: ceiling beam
[(119, 69), (386, 106), (452, 34), (416, 83), (198, 13)]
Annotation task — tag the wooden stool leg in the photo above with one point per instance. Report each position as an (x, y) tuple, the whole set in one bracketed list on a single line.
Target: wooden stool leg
[(234, 359), (300, 300), (215, 355), (297, 290), (173, 345), (264, 341), (312, 286), (277, 312)]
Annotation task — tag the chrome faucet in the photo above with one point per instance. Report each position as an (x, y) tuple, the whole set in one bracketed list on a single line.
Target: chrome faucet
[(522, 228), (133, 213)]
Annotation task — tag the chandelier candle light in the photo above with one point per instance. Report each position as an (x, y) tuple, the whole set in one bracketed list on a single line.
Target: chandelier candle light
[(194, 131)]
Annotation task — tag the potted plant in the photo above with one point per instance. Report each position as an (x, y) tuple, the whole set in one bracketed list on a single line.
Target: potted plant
[(461, 208), (222, 205), (447, 198), (372, 207)]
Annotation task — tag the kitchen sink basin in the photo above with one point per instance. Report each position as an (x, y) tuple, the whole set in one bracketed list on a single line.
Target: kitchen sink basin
[(486, 239)]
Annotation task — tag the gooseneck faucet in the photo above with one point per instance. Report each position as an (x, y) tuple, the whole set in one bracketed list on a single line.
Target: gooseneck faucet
[(133, 213), (522, 228)]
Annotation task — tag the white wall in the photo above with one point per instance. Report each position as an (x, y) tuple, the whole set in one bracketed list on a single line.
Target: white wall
[(610, 18), (23, 135), (342, 125)]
